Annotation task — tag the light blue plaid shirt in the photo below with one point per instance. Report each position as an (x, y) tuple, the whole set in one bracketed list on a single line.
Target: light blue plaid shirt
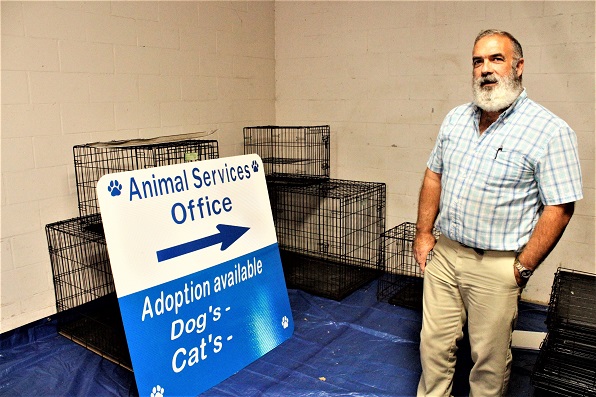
[(495, 185)]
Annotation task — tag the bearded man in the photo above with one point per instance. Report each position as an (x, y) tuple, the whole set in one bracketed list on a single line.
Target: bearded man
[(500, 184)]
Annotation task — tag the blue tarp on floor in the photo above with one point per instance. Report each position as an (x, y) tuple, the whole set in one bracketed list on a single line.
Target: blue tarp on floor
[(356, 347)]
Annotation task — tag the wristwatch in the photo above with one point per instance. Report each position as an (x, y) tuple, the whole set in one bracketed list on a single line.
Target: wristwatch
[(525, 273)]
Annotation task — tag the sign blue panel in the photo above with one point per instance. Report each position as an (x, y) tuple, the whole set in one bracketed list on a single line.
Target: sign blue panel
[(220, 319)]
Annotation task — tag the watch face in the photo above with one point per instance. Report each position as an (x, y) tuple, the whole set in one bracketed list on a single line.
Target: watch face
[(525, 273)]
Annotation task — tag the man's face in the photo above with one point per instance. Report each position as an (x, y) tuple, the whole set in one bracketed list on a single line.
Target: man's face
[(496, 75), (493, 55)]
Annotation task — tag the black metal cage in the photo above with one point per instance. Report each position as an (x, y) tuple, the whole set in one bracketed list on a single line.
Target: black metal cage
[(88, 311), (94, 160), (572, 303), (83, 282), (97, 326), (290, 152), (80, 263), (566, 364), (401, 280), (329, 234)]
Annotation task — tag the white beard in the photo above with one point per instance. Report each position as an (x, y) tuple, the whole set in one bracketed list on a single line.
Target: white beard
[(499, 97)]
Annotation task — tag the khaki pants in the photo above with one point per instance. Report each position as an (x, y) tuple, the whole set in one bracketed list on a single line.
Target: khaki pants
[(461, 284)]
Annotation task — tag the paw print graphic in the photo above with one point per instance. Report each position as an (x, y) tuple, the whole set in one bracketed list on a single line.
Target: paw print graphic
[(255, 166), (157, 391), (115, 188), (285, 322)]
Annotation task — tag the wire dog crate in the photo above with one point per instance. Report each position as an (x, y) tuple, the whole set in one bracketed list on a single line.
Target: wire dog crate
[(97, 326), (94, 160), (566, 364), (329, 234), (290, 152), (84, 288), (83, 283), (565, 367), (572, 303), (80, 263), (401, 281)]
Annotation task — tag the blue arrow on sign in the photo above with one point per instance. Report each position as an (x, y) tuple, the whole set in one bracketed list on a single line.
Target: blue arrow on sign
[(227, 235)]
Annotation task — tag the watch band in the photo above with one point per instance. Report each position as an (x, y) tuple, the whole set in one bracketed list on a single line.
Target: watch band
[(523, 271)]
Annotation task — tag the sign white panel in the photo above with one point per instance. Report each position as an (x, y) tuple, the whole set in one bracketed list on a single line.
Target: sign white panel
[(197, 271)]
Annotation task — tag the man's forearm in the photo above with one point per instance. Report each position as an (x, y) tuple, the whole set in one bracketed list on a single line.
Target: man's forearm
[(428, 209), (428, 204), (548, 231)]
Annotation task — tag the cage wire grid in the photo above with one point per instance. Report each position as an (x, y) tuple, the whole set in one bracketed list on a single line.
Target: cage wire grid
[(290, 151), (572, 303), (84, 288), (80, 263), (566, 363), (329, 234), (563, 372), (97, 325), (94, 160), (401, 281)]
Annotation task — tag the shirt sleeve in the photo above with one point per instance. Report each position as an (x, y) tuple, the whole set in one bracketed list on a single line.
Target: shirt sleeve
[(558, 171), (435, 161)]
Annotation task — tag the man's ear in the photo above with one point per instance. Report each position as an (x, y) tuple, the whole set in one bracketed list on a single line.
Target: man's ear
[(520, 67)]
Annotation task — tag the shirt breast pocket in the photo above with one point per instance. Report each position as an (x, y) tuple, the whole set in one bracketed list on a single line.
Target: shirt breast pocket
[(509, 168)]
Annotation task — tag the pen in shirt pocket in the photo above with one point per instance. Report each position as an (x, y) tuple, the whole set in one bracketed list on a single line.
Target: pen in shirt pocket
[(500, 149)]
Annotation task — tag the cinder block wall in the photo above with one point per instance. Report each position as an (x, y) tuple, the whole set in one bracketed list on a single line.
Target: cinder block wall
[(384, 74), (78, 72)]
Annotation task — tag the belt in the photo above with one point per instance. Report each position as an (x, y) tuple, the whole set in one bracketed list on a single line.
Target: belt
[(479, 251)]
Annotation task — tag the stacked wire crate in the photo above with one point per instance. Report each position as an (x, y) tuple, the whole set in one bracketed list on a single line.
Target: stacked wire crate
[(94, 160), (566, 364), (83, 282), (328, 230), (291, 154), (401, 280)]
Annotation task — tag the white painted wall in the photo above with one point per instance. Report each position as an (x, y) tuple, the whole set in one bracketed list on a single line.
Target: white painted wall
[(383, 74), (79, 72)]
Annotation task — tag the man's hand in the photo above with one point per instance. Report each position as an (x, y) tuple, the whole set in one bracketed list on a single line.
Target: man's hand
[(423, 244)]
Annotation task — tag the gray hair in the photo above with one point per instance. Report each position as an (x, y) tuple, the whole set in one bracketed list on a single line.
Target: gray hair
[(517, 48)]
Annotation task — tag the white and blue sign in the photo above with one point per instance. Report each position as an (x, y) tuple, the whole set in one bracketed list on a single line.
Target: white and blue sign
[(197, 271)]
